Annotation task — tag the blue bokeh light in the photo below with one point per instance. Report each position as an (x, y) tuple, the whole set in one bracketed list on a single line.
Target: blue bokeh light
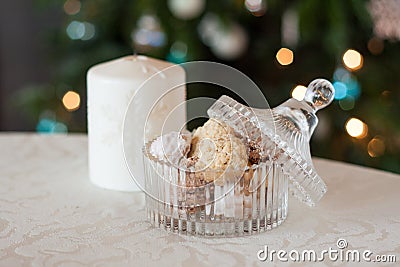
[(341, 75), (75, 30), (80, 30), (51, 126), (177, 53), (353, 88), (340, 90)]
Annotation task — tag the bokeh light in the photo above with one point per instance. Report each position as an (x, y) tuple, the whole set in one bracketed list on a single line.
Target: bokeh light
[(347, 103), (375, 46), (71, 101), (177, 53), (341, 75), (356, 128), (90, 31), (75, 30), (148, 34), (385, 15), (256, 7), (340, 90), (352, 59), (151, 38), (186, 9), (46, 125), (376, 147), (80, 30), (299, 92), (346, 86), (208, 28), (353, 88), (285, 56), (72, 7), (230, 41), (227, 41)]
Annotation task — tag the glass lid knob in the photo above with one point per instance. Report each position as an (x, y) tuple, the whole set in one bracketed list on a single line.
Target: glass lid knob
[(319, 94)]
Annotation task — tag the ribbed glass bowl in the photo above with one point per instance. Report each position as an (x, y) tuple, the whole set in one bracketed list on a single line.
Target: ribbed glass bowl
[(214, 203)]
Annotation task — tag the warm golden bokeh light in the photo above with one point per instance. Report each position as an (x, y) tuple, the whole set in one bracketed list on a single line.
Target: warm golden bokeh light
[(356, 128), (71, 101), (284, 56), (72, 7), (352, 59), (299, 92), (376, 147)]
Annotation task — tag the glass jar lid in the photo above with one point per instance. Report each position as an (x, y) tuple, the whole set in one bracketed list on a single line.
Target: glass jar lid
[(282, 134)]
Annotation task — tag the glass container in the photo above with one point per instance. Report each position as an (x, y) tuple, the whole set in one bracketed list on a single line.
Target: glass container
[(181, 200), (242, 202)]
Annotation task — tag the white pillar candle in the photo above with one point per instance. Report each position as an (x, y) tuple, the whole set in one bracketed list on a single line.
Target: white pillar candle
[(110, 87)]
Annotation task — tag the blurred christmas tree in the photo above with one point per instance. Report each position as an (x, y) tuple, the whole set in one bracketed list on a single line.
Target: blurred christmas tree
[(281, 45)]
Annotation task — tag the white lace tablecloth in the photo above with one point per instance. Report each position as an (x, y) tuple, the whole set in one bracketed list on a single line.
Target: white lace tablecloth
[(51, 215)]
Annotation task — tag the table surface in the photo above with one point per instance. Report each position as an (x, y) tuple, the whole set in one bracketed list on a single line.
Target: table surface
[(51, 215)]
